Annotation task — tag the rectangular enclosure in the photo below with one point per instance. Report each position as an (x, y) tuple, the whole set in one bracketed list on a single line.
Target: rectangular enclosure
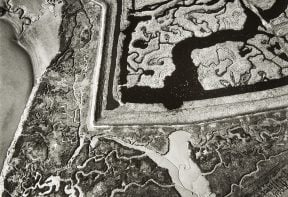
[(161, 65)]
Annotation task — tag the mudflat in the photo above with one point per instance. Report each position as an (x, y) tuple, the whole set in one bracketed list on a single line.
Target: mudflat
[(16, 81)]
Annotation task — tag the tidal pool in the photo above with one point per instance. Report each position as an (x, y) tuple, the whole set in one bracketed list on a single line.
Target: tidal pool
[(16, 81)]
